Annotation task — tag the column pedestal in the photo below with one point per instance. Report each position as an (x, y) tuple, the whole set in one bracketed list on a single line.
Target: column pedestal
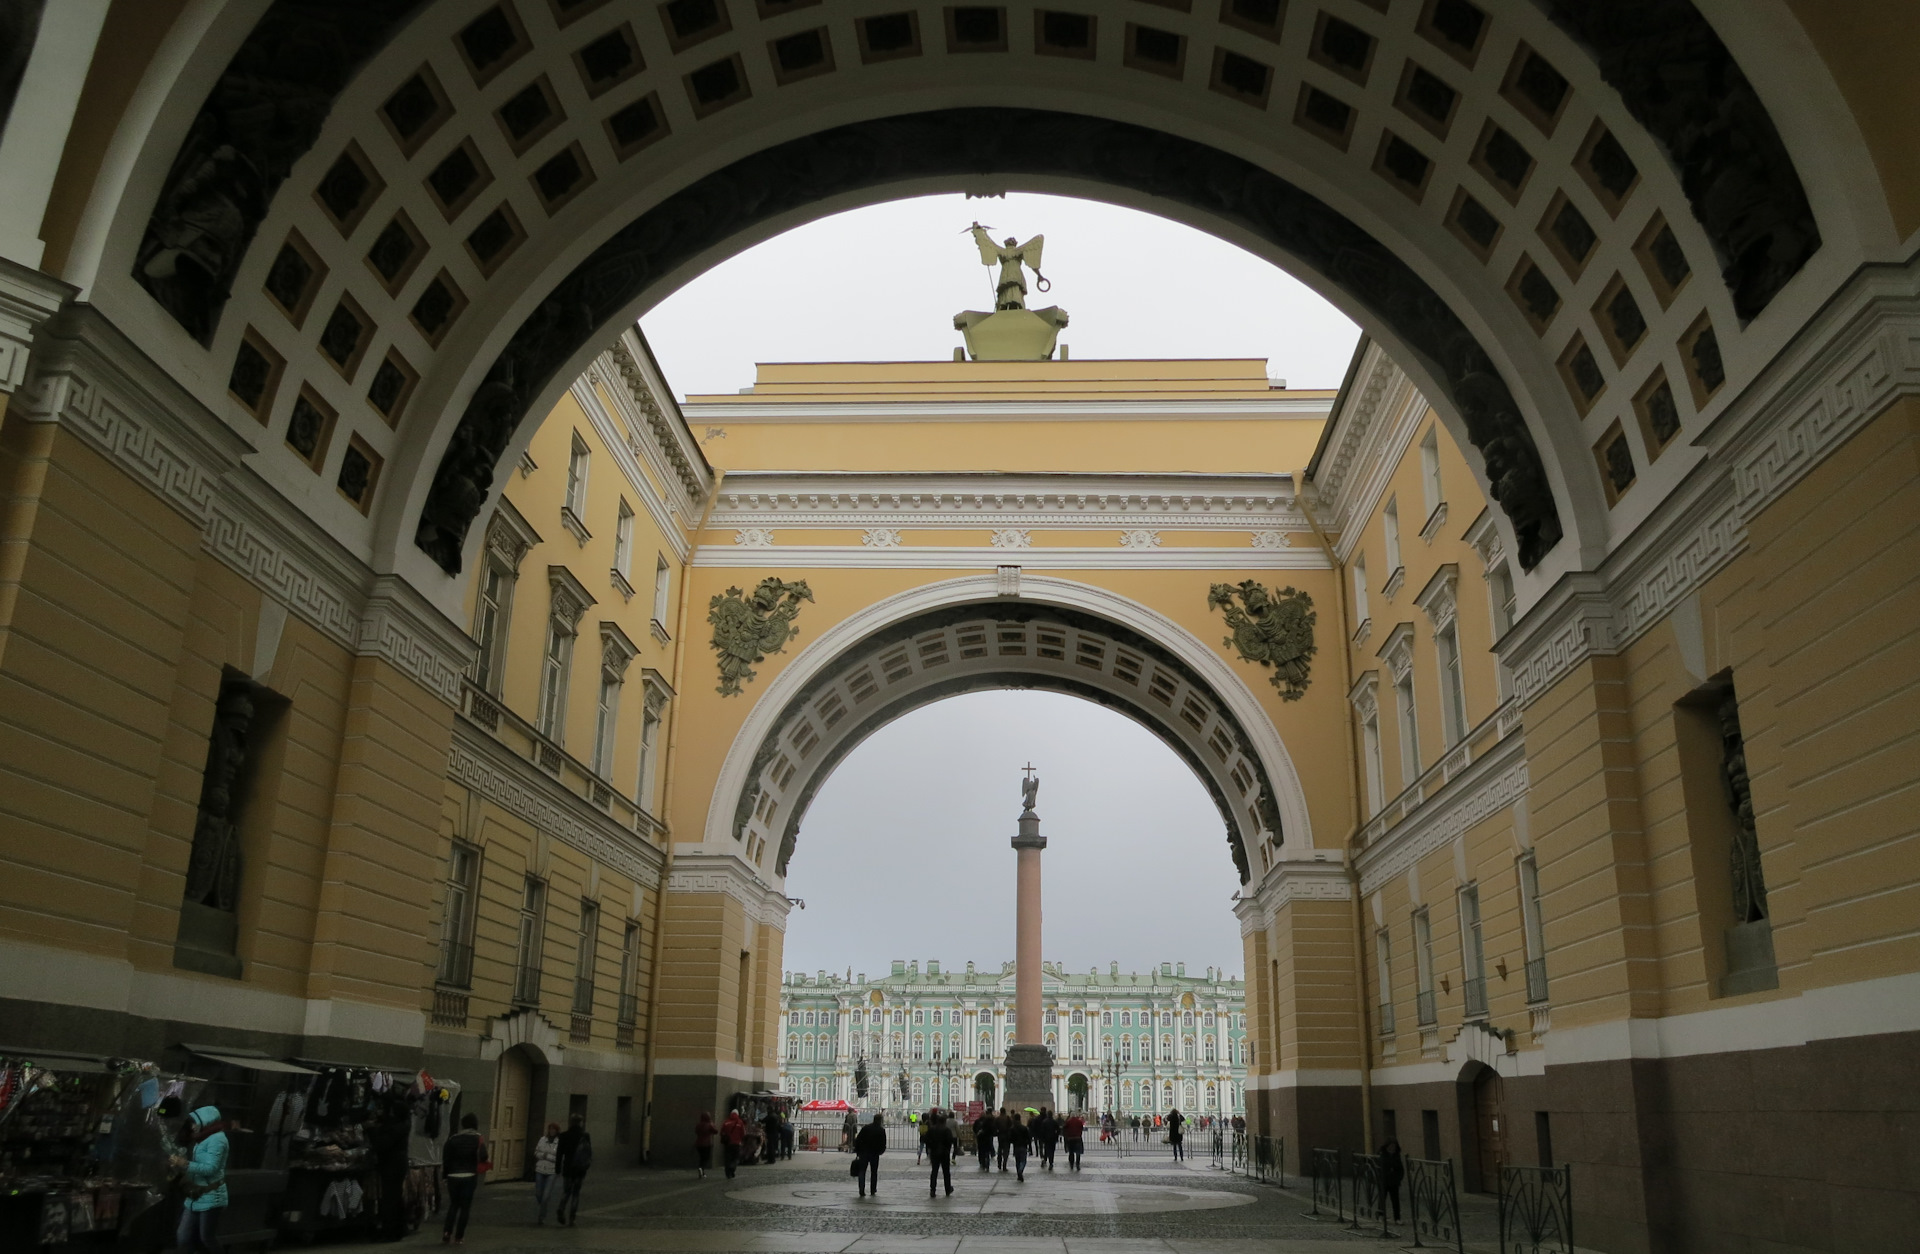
[(1029, 1077)]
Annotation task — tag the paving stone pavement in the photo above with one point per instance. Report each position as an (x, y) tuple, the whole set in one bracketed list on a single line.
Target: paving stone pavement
[(1145, 1204)]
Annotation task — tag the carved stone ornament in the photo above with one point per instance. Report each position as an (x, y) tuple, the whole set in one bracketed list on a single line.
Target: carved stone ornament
[(1272, 629), (746, 628), (1271, 540), (754, 538), (213, 865), (881, 537), (1138, 539), (883, 152), (1012, 538)]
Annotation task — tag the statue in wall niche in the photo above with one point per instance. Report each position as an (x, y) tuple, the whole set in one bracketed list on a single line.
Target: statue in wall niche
[(1272, 629), (213, 867), (749, 626), (1749, 883)]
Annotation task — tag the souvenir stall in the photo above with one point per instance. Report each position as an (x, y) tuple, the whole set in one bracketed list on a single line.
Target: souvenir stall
[(350, 1154), (261, 1100), (80, 1154)]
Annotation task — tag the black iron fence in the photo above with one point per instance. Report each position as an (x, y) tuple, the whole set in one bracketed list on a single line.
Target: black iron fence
[(1323, 1167), (1371, 1195), (1433, 1203), (1536, 1210), (1266, 1159)]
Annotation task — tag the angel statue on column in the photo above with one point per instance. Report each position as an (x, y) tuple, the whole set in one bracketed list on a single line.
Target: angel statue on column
[(1012, 290)]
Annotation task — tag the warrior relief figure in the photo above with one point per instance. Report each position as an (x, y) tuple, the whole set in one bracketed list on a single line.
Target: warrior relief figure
[(1012, 289)]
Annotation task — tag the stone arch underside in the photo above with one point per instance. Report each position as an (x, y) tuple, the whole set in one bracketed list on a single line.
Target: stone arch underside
[(1663, 59), (1004, 644)]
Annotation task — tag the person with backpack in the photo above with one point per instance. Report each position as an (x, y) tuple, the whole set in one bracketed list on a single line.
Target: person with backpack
[(575, 1153), (867, 1148), (733, 1134), (939, 1144), (704, 1132), (462, 1160)]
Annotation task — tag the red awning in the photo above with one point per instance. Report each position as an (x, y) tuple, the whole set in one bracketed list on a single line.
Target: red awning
[(835, 1104)]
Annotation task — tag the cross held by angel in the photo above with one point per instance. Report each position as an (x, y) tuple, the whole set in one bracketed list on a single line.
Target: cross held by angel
[(1011, 291)]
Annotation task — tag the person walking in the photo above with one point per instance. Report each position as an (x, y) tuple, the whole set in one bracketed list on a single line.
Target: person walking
[(1046, 1131), (704, 1133), (849, 1128), (867, 1148), (770, 1136), (983, 1139), (1393, 1169), (546, 1165), (575, 1153), (939, 1144), (1003, 1133), (733, 1134), (1075, 1132), (1020, 1140), (921, 1125), (204, 1173), (786, 1137), (462, 1159), (1176, 1137)]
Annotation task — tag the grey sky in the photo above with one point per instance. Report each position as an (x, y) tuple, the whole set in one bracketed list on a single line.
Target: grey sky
[(883, 284), (904, 853)]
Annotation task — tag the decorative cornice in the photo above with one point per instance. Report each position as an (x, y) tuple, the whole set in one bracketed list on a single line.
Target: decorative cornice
[(477, 761), (724, 874), (672, 439), (1573, 622), (1397, 650), (1364, 696), (745, 555), (509, 535), (1494, 781), (616, 648), (87, 377), (1440, 596), (570, 598), (27, 299), (1322, 877), (1483, 536)]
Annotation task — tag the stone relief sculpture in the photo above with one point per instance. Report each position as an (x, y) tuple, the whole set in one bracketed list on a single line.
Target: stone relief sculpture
[(213, 866), (1272, 629), (747, 627), (1749, 881)]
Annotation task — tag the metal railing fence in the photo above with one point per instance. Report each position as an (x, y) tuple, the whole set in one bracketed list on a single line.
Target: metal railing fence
[(1433, 1203), (1370, 1194), (1474, 993), (1424, 1009), (1536, 1210), (1536, 979), (1323, 1167)]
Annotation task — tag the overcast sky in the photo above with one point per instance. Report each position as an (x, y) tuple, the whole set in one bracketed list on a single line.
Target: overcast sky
[(883, 284), (904, 853)]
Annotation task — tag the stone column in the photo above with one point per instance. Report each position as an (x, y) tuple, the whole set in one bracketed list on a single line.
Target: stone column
[(1029, 1066)]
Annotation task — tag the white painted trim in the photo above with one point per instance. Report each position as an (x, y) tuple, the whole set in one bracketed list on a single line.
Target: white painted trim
[(831, 644), (1065, 409), (1304, 1078), (986, 557), (65, 977), (745, 1073), (36, 132)]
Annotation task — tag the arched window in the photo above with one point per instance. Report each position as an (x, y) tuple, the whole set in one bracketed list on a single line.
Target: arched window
[(1213, 1097), (806, 1048), (953, 1050), (939, 1043), (919, 1093), (806, 1090), (1188, 1089), (899, 1016), (1186, 1020), (809, 1019), (1126, 1018), (937, 1020), (898, 1041), (1126, 1093), (1079, 1015), (919, 1017), (1166, 1018), (1106, 1018), (1166, 1049), (1079, 1048), (1186, 1049), (1166, 1094), (919, 1045), (1053, 1041), (986, 1044), (793, 1019), (1052, 1016), (793, 1049), (1212, 1051), (1106, 1047)]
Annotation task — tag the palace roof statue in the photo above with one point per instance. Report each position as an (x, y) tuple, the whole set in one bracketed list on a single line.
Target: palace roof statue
[(1011, 331)]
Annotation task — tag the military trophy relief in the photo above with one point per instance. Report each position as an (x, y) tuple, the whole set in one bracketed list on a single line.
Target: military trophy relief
[(1272, 629), (747, 627)]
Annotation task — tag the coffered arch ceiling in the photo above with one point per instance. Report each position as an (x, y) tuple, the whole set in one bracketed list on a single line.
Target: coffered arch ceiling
[(1000, 644), (395, 231)]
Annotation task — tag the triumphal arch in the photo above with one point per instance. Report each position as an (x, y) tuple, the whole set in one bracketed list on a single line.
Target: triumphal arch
[(368, 634)]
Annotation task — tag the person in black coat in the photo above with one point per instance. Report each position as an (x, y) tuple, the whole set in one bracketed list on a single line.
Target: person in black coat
[(939, 1145), (1020, 1138), (867, 1148), (575, 1156), (1393, 1169), (983, 1139), (1046, 1131)]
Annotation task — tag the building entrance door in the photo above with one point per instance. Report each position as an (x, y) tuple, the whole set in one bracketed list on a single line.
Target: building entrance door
[(1490, 1129), (512, 1094)]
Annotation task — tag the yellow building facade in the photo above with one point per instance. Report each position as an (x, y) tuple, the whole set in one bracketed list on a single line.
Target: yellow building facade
[(327, 675)]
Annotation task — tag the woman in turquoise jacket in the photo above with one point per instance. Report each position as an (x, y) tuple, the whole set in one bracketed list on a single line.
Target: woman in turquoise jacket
[(205, 1176)]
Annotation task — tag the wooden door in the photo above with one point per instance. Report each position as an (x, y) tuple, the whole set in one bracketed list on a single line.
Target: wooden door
[(1491, 1128), (512, 1090)]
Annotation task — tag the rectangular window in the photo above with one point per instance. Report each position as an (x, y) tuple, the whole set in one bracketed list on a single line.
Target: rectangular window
[(1376, 783), (490, 610), (1473, 955), (456, 924), (533, 906), (662, 586), (554, 666), (623, 541), (1423, 968), (577, 478), (1500, 592), (605, 725), (1531, 930), (649, 737), (1453, 696), (1360, 614), (1383, 961), (629, 974), (1390, 528), (1409, 730), (1430, 470), (586, 958)]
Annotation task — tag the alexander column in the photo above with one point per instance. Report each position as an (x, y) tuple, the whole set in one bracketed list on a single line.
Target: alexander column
[(1029, 1065)]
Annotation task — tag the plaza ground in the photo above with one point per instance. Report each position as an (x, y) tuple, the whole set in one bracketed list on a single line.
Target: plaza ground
[(1141, 1204)]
